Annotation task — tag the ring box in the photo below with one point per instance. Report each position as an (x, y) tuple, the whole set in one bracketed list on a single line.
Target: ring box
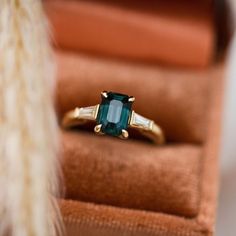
[(117, 187)]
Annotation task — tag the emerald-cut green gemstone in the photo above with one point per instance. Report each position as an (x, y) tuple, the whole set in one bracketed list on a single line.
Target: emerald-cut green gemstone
[(114, 112)]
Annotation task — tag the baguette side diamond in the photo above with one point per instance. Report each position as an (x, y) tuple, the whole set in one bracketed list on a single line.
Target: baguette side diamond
[(89, 113), (138, 121)]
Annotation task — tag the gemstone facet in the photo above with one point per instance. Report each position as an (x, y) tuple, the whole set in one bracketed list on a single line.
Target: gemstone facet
[(114, 113)]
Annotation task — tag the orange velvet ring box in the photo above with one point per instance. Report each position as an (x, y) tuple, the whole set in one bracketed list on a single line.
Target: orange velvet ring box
[(115, 187)]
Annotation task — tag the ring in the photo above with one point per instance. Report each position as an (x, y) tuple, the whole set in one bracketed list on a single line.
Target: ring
[(113, 117)]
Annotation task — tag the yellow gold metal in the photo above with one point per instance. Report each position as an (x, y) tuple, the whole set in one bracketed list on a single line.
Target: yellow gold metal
[(97, 129), (147, 127), (124, 134), (131, 99), (96, 111), (104, 94)]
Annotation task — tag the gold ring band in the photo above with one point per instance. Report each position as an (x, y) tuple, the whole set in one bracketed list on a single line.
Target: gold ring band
[(147, 127)]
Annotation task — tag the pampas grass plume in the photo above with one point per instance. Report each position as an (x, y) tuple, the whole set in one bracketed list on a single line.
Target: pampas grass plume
[(28, 130)]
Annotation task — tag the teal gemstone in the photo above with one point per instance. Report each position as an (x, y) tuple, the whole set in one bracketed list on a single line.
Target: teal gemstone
[(114, 112)]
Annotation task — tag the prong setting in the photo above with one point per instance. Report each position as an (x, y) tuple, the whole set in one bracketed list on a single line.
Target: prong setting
[(131, 99), (104, 94), (124, 134), (114, 116), (98, 129)]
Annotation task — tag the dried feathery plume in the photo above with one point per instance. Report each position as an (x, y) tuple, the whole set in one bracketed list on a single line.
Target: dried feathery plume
[(28, 130)]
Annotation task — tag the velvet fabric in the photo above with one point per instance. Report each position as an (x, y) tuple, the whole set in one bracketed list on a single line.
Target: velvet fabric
[(132, 188), (179, 34), (132, 174), (177, 99), (93, 218), (113, 181)]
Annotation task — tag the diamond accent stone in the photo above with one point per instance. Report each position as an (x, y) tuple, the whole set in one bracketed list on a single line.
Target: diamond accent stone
[(138, 120), (87, 112)]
